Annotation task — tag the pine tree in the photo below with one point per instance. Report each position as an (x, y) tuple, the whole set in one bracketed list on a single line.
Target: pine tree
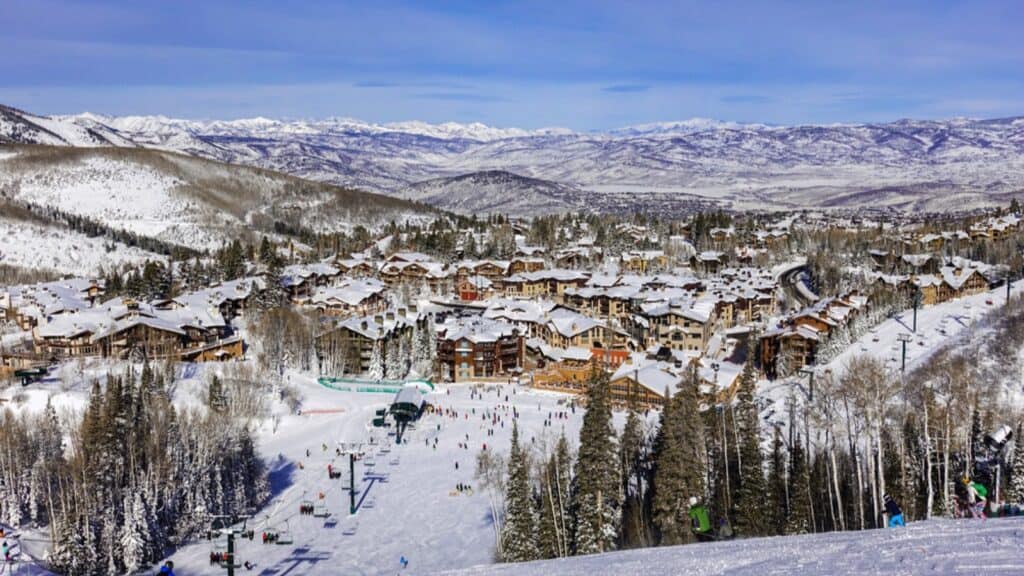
[(776, 504), (632, 472), (216, 399), (596, 497), (668, 496), (680, 457), (519, 533), (799, 520), (751, 519), (135, 546), (1015, 493), (273, 295)]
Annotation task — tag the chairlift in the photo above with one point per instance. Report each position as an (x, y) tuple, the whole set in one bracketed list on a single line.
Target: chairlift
[(321, 511), (306, 508), (284, 536), (219, 554)]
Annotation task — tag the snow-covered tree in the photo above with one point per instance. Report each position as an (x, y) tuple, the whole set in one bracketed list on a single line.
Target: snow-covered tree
[(749, 503), (1015, 493), (519, 533), (376, 368), (135, 546), (596, 498)]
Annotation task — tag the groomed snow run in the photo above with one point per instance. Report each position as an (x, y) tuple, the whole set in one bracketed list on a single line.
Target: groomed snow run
[(415, 511), (937, 547)]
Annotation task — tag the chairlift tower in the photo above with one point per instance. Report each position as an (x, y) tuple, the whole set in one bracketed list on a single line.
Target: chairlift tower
[(904, 338), (355, 452), (222, 525)]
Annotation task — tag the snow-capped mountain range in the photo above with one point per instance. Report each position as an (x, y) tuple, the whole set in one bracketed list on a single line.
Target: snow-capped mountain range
[(919, 165)]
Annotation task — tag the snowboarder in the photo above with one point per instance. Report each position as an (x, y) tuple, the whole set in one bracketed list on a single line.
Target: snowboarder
[(700, 521), (894, 512)]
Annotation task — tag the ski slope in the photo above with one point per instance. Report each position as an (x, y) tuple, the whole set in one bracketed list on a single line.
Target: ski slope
[(937, 326), (936, 547), (416, 512)]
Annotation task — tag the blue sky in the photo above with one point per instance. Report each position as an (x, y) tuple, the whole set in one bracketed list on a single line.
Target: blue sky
[(583, 65)]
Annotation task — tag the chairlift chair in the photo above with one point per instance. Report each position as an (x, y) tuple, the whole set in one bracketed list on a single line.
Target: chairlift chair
[(306, 508), (284, 537)]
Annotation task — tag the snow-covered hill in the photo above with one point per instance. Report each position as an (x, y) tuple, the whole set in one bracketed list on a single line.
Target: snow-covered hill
[(184, 200), (937, 547), (907, 164), (38, 246), (17, 126), (496, 191)]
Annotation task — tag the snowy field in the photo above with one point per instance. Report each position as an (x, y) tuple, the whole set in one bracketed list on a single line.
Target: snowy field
[(936, 547)]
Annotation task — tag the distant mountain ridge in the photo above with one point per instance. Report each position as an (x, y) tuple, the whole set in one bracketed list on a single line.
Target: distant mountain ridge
[(908, 164)]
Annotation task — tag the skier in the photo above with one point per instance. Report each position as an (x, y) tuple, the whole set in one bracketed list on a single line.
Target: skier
[(976, 495), (167, 569), (404, 562), (700, 522), (894, 512)]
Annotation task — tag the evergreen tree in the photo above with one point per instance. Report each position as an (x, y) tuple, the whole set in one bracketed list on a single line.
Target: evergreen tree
[(216, 398), (1015, 493), (776, 504), (596, 496), (632, 472), (799, 520), (519, 532), (273, 294), (136, 550), (669, 498), (748, 505), (680, 457)]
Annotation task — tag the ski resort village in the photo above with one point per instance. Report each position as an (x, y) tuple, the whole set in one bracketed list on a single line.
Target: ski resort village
[(449, 392), (530, 288)]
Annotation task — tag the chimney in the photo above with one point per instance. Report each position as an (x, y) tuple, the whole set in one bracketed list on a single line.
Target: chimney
[(363, 325)]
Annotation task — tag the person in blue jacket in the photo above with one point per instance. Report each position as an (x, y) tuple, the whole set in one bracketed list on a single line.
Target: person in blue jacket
[(167, 569), (894, 512)]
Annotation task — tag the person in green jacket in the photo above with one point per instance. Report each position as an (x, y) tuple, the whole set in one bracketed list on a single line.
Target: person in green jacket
[(700, 521)]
